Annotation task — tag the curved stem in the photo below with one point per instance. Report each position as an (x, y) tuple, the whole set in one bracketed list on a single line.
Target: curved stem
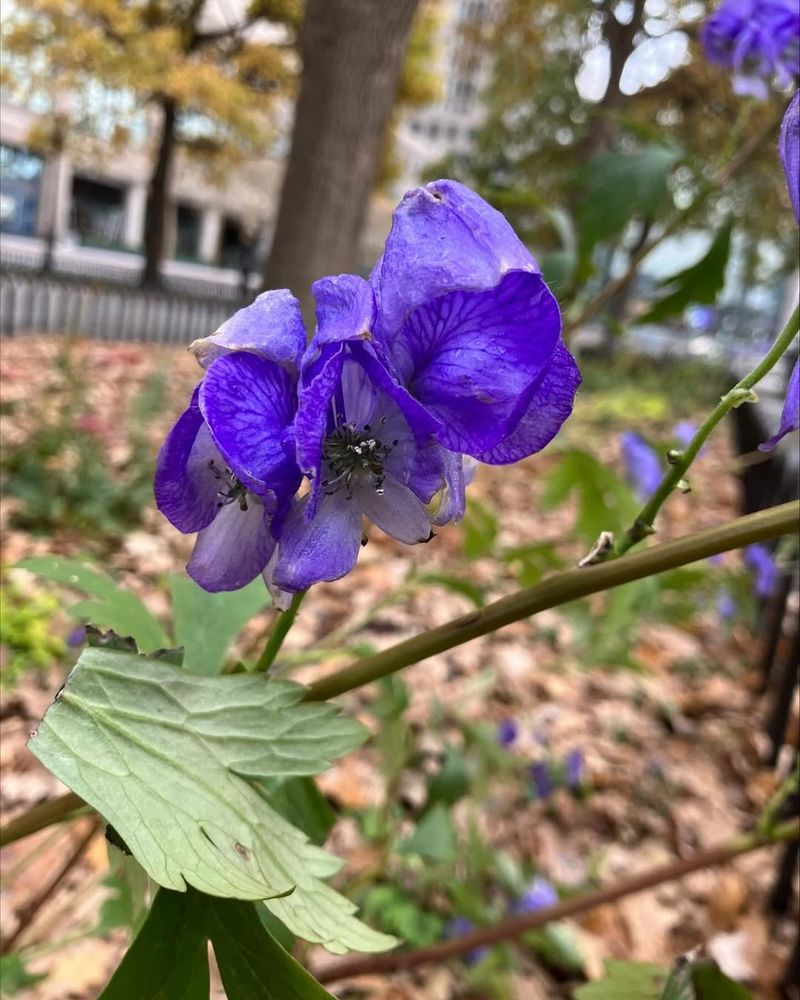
[(280, 630), (740, 393), (559, 589), (514, 927), (41, 816)]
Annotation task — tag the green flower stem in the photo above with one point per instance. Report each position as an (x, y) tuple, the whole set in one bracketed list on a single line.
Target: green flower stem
[(45, 814), (740, 393), (769, 816), (559, 589), (280, 630), (514, 927)]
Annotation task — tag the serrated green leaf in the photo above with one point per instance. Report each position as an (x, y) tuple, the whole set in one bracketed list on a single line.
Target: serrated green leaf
[(700, 283), (300, 801), (626, 981), (168, 959), (206, 624), (165, 755), (112, 608), (434, 837)]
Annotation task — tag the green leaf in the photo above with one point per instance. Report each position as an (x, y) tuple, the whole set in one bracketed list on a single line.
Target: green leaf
[(112, 608), (604, 503), (206, 624), (14, 976), (617, 187), (451, 782), (300, 801), (252, 965), (434, 837), (710, 983), (168, 959), (165, 755), (465, 588), (398, 912), (626, 981), (700, 283), (557, 946)]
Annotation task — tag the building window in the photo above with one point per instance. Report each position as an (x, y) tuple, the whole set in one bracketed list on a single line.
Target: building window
[(187, 233), (98, 213), (20, 186)]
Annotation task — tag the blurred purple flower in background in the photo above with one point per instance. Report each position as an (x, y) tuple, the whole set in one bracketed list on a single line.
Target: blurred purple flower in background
[(726, 606), (538, 896), (683, 432), (642, 464), (460, 927), (765, 571), (573, 768), (758, 40), (77, 637), (789, 151), (790, 417), (507, 732), (542, 779)]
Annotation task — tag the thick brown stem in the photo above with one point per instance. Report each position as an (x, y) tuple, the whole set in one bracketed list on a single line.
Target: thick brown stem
[(514, 927), (157, 197), (352, 57)]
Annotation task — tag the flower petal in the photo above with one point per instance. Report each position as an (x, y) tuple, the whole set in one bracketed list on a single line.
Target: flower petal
[(789, 149), (271, 327), (472, 359), (790, 417), (396, 511), (323, 548), (546, 411), (249, 405), (185, 491), (444, 237), (233, 550), (345, 308)]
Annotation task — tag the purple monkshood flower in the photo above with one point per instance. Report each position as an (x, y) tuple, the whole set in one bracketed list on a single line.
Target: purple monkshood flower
[(758, 40), (450, 353), (789, 150), (507, 733), (538, 896), (642, 464), (77, 637), (573, 768), (683, 432), (765, 571), (790, 417), (542, 779), (460, 927)]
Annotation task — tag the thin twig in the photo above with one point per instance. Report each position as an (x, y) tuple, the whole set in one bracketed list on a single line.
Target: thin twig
[(35, 904), (559, 589), (514, 927), (40, 816)]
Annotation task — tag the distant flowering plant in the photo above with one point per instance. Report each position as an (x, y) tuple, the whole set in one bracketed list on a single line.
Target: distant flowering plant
[(642, 465), (765, 570), (758, 40), (450, 353)]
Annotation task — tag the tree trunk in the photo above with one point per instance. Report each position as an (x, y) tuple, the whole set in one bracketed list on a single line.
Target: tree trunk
[(155, 215), (352, 56)]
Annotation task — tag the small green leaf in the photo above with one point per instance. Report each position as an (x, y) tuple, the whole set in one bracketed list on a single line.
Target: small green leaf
[(557, 946), (168, 959), (165, 755), (14, 976), (700, 283), (451, 782), (465, 588), (626, 981), (112, 608), (206, 624), (604, 503), (480, 528), (434, 837)]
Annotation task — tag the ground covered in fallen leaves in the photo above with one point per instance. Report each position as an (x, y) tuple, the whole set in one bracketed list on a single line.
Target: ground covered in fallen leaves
[(669, 725)]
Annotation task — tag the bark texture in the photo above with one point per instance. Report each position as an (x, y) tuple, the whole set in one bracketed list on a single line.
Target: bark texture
[(352, 54), (155, 215)]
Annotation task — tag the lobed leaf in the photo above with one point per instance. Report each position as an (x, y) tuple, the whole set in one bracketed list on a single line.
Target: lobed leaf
[(165, 756)]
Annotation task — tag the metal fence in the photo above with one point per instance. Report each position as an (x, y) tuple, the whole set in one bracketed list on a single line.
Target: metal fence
[(38, 304)]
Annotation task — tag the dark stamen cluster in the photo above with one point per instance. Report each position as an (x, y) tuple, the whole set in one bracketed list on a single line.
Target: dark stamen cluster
[(231, 490), (350, 452)]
